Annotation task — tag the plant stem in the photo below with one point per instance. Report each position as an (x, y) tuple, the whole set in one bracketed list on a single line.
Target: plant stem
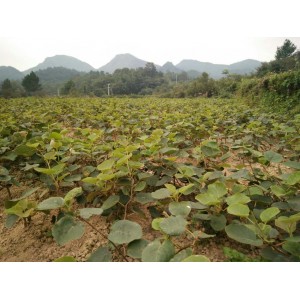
[(92, 226)]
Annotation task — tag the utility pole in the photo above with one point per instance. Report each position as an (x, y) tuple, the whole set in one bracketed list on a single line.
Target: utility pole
[(176, 78), (58, 93), (108, 87)]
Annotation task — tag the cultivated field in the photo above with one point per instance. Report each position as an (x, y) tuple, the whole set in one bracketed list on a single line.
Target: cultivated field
[(147, 180)]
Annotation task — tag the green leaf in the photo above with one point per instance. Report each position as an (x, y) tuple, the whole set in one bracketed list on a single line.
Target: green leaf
[(268, 214), (23, 208), (182, 255), (208, 199), (124, 232), (273, 157), (218, 223), (278, 190), (182, 208), (242, 234), (102, 254), (90, 180), (67, 229), (161, 194), (144, 198), (173, 225), (156, 223), (69, 197), (157, 252), (196, 258), (238, 209), (51, 203), (287, 224), (186, 190), (292, 247), (86, 213), (65, 259), (24, 150), (218, 189), (135, 248), (140, 186), (11, 220), (26, 194), (73, 178), (110, 202), (293, 164), (293, 178), (210, 148), (52, 171), (106, 165), (237, 198)]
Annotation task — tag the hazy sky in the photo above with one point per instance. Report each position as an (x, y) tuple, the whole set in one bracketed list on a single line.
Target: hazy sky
[(157, 30)]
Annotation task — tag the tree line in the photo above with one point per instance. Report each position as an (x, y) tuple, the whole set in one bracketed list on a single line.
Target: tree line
[(149, 81)]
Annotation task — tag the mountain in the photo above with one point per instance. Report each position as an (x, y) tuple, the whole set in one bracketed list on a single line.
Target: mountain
[(10, 73), (64, 61), (169, 67), (215, 70), (54, 78), (122, 61), (245, 66)]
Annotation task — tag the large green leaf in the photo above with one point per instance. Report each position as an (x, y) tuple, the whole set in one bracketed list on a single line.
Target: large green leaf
[(102, 254), (144, 198), (293, 178), (292, 247), (106, 165), (269, 213), (110, 202), (218, 223), (218, 189), (182, 208), (51, 203), (238, 209), (51, 171), (86, 213), (157, 252), (182, 255), (140, 186), (67, 229), (24, 150), (208, 199), (161, 194), (237, 198), (124, 232), (210, 148), (242, 234), (173, 225), (272, 156), (135, 248)]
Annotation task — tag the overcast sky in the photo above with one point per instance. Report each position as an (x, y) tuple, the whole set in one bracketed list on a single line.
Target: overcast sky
[(157, 30)]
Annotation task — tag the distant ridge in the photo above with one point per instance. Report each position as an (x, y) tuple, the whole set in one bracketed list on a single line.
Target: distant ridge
[(122, 61), (169, 67), (10, 73), (193, 67), (64, 61)]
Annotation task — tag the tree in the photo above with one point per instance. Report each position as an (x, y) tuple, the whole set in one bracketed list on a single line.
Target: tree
[(31, 82), (7, 89), (286, 50), (68, 87)]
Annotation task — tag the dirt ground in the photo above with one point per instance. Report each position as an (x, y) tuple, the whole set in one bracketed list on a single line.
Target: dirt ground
[(34, 242)]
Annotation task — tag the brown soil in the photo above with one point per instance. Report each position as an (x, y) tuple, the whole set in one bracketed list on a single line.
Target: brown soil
[(34, 243)]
